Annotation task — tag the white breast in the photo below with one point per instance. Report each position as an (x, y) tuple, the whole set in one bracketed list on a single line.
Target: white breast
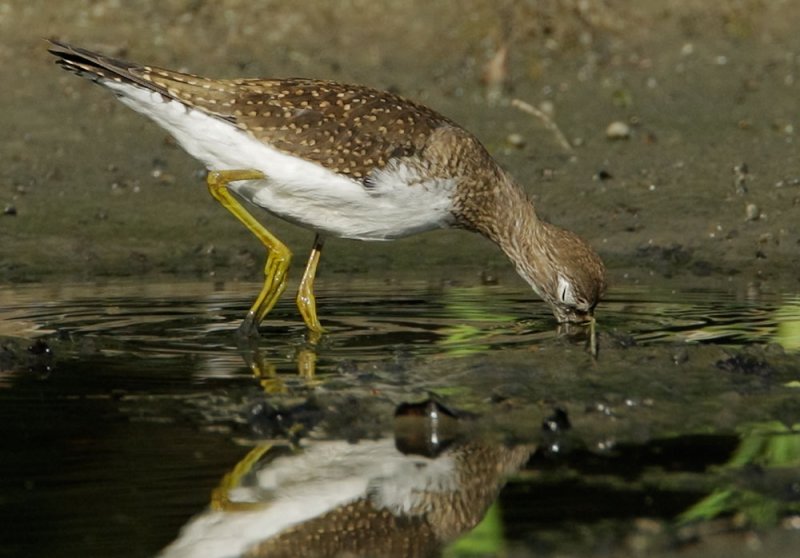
[(399, 201), (298, 488)]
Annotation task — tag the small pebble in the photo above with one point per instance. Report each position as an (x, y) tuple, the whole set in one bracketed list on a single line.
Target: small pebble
[(488, 278), (548, 108), (516, 140), (680, 356), (740, 176), (618, 130), (602, 174), (752, 212)]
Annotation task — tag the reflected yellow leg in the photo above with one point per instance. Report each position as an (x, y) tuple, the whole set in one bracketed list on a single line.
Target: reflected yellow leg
[(307, 365), (220, 499), (266, 374), (278, 255), (306, 302)]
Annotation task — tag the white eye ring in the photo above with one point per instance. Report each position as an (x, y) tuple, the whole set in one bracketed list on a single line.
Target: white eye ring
[(565, 292)]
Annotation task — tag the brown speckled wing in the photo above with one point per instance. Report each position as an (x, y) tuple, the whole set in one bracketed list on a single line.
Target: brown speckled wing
[(349, 129)]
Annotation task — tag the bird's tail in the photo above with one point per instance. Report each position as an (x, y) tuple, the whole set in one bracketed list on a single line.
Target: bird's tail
[(101, 68)]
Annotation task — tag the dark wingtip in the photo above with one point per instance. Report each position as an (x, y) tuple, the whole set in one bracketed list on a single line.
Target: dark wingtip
[(99, 67), (62, 49), (55, 44), (68, 52), (68, 56), (94, 65)]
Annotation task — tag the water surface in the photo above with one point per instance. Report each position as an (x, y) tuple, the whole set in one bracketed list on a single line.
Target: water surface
[(124, 407)]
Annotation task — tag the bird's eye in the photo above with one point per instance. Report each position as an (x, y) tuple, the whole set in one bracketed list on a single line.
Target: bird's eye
[(565, 293)]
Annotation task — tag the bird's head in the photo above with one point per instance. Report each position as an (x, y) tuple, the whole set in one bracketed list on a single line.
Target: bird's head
[(565, 271)]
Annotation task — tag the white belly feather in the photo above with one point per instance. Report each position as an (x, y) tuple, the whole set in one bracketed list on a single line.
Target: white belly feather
[(398, 202)]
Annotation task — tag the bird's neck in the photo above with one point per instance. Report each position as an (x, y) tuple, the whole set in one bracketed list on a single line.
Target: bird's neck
[(508, 218)]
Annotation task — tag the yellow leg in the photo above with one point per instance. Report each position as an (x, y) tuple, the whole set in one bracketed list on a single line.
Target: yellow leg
[(278, 255), (306, 302)]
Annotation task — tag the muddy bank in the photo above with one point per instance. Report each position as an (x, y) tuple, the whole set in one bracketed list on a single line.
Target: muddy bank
[(90, 189)]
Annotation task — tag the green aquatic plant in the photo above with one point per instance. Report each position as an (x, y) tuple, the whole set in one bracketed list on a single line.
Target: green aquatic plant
[(464, 337), (788, 331), (772, 451), (486, 539)]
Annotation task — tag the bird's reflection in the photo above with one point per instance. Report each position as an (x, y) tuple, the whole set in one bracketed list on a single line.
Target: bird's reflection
[(306, 351), (406, 494)]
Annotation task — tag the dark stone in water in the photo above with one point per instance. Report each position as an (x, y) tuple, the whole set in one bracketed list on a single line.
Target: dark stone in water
[(40, 359), (743, 363), (40, 347), (620, 339), (557, 422), (269, 421)]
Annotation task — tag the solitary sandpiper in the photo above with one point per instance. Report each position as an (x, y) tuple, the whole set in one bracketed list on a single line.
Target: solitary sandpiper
[(348, 161)]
